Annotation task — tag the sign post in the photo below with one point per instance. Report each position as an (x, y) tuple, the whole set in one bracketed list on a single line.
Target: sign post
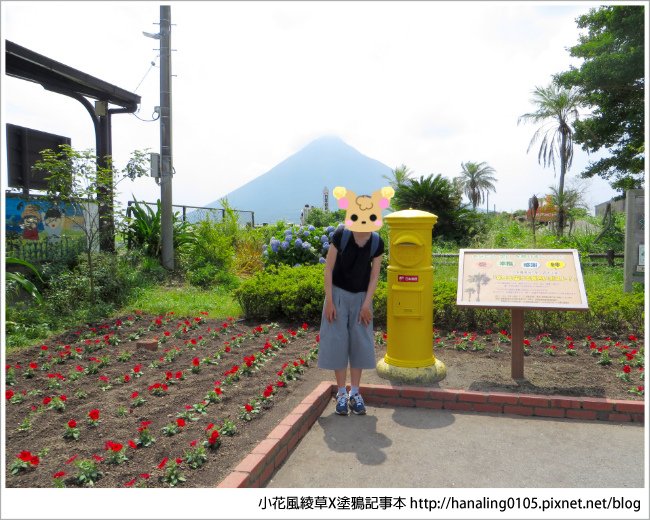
[(519, 280)]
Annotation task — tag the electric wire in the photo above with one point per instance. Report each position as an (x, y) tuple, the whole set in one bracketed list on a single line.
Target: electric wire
[(153, 64)]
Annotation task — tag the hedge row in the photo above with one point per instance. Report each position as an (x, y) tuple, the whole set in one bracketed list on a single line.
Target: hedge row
[(296, 293)]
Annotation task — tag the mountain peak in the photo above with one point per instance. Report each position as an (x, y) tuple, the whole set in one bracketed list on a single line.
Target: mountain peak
[(299, 180)]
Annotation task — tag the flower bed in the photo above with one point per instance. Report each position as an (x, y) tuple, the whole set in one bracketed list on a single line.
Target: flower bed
[(94, 408), (98, 410)]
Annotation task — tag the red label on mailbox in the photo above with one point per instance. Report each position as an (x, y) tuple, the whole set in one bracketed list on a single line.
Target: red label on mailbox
[(407, 278)]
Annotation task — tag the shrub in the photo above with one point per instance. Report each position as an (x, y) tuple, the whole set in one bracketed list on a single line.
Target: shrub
[(283, 292)]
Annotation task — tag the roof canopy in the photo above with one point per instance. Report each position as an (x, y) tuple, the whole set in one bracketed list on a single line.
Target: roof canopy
[(52, 75)]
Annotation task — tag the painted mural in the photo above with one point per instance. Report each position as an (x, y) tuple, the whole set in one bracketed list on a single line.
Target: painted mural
[(37, 224)]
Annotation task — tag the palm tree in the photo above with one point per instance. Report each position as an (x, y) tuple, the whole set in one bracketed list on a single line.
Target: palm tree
[(436, 195), (479, 279), (557, 109), (476, 181), (399, 176)]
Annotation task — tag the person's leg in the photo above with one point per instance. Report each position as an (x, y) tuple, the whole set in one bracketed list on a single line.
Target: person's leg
[(340, 377), (355, 379)]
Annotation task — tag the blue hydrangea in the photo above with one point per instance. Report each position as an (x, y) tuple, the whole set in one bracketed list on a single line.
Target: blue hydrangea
[(311, 228), (330, 229), (298, 242), (274, 244), (326, 247), (284, 244), (306, 245), (305, 233), (321, 260), (323, 239)]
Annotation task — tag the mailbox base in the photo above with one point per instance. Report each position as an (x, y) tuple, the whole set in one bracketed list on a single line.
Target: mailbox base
[(412, 375)]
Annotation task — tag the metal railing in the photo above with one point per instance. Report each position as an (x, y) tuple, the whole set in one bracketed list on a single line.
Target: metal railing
[(195, 214)]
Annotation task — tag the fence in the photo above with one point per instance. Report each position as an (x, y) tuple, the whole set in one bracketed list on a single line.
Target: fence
[(36, 252), (198, 213)]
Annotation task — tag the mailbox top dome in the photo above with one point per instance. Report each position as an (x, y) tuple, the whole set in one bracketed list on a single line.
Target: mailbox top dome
[(416, 214)]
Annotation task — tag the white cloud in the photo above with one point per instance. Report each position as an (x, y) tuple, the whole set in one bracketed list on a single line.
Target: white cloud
[(428, 84)]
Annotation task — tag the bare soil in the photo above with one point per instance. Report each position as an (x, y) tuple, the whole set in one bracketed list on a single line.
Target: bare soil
[(484, 366)]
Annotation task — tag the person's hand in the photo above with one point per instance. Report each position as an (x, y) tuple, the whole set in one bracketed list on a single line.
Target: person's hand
[(330, 311), (365, 314)]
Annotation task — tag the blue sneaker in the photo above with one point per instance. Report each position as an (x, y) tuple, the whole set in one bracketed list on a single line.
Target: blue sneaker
[(356, 404), (342, 404)]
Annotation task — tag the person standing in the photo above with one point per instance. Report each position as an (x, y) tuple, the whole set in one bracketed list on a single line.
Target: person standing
[(352, 270)]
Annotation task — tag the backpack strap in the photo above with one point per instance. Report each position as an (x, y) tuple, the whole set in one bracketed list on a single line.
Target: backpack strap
[(374, 244), (345, 238)]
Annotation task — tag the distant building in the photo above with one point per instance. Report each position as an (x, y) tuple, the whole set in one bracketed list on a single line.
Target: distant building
[(303, 214)]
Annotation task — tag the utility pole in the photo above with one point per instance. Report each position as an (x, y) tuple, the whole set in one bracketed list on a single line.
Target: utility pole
[(166, 215)]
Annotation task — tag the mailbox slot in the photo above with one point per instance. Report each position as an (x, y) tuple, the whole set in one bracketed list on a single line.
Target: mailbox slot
[(408, 250), (407, 302)]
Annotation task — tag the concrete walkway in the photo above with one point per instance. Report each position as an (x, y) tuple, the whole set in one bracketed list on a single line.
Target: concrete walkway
[(426, 448)]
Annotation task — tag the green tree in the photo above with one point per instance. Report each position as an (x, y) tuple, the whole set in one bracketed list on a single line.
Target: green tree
[(398, 176), (437, 195), (557, 109), (76, 179), (476, 181), (572, 200), (318, 217), (611, 79)]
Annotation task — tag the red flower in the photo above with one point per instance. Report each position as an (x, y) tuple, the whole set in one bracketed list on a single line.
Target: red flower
[(127, 378), (71, 459), (33, 365), (196, 362), (79, 368), (43, 348), (9, 394), (179, 460), (168, 375), (98, 458), (248, 407), (193, 443), (167, 333), (136, 368), (209, 426), (218, 390), (25, 456), (193, 341), (133, 444), (280, 383), (626, 369), (72, 423), (63, 398), (180, 422), (145, 475), (47, 400), (632, 337), (162, 464), (213, 437), (134, 395), (178, 375), (305, 326), (144, 424), (59, 474), (129, 483), (94, 415)]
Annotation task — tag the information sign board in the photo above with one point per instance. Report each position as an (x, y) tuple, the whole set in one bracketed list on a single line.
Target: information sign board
[(521, 278)]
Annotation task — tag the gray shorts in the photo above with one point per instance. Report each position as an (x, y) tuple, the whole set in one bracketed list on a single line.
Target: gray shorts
[(345, 340)]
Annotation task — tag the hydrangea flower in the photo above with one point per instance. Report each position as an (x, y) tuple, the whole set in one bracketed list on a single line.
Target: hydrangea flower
[(306, 245), (284, 244), (298, 242), (274, 244), (311, 228), (326, 247), (321, 260), (323, 239), (330, 229)]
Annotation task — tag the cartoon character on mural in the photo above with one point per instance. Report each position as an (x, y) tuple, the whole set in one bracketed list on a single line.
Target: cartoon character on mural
[(31, 217), (53, 224)]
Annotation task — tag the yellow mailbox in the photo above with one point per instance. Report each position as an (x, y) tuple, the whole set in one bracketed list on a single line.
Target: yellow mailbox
[(409, 351)]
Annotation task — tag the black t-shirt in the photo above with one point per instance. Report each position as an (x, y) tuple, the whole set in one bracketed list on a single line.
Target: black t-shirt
[(352, 267)]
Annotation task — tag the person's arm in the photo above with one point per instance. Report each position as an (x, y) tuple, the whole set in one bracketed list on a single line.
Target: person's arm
[(330, 260), (365, 315)]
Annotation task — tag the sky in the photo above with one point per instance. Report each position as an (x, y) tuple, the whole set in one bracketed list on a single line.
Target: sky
[(425, 84)]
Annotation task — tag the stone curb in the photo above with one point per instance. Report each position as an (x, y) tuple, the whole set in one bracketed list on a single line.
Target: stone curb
[(260, 464)]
